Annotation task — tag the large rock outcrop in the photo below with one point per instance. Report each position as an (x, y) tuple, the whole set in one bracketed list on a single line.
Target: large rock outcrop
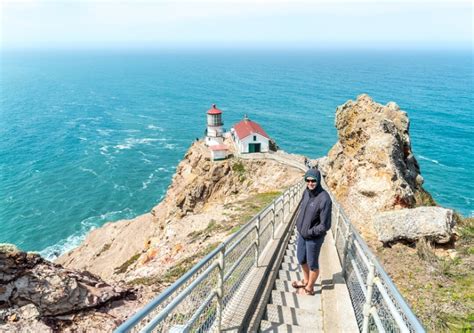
[(32, 288), (432, 223), (372, 167)]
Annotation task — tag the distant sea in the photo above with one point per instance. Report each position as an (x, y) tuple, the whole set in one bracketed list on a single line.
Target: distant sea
[(88, 137)]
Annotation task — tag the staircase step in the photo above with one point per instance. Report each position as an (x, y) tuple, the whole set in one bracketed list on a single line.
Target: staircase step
[(294, 300), (289, 275), (290, 259), (293, 316), (292, 267), (290, 253), (270, 327), (283, 285)]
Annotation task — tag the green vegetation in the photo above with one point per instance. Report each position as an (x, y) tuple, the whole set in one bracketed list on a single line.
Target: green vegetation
[(445, 301), (123, 268), (423, 198), (238, 167), (250, 207), (176, 271), (212, 227)]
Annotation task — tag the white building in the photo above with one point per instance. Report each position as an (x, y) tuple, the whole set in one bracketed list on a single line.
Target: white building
[(219, 152), (249, 137), (214, 131)]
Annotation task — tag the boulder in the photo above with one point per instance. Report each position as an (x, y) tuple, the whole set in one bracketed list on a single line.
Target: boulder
[(432, 223)]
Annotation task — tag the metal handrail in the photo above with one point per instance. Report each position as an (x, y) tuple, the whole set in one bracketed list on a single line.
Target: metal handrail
[(176, 294)]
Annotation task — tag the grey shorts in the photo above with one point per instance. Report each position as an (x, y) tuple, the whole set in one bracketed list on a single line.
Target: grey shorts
[(307, 251)]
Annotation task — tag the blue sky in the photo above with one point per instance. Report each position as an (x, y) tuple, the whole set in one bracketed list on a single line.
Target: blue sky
[(236, 24)]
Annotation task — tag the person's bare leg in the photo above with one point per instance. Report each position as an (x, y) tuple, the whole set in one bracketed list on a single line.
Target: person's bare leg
[(306, 273), (313, 276)]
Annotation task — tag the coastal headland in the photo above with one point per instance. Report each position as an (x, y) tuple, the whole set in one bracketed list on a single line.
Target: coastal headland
[(371, 171)]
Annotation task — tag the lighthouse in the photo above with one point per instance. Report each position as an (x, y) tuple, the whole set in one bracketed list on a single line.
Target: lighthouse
[(214, 131)]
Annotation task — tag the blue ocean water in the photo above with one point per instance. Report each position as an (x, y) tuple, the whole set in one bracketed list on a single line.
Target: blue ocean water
[(88, 137)]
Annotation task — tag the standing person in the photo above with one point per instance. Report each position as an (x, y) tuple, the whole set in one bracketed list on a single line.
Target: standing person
[(314, 220)]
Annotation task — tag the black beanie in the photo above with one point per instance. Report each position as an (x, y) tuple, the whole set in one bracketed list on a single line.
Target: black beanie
[(313, 173)]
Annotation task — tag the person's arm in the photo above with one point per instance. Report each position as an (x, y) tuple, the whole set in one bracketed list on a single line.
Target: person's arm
[(325, 218)]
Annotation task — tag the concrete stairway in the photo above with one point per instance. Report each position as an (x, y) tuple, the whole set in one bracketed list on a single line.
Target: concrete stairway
[(288, 311)]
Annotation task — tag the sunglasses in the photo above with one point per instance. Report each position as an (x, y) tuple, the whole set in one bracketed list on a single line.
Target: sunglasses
[(311, 181)]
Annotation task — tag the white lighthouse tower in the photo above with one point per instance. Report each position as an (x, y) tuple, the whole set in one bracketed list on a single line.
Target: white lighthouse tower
[(214, 131)]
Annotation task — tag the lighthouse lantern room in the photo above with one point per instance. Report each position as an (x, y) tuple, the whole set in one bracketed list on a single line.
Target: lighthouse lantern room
[(214, 131)]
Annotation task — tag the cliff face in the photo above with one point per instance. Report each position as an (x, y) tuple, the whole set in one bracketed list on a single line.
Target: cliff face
[(372, 167), (203, 193)]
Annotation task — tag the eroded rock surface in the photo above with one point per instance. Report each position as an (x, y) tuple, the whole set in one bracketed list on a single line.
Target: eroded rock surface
[(154, 242), (32, 288), (372, 167), (432, 223)]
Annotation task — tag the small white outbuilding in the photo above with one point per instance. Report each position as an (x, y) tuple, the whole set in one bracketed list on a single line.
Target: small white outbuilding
[(249, 137), (219, 152)]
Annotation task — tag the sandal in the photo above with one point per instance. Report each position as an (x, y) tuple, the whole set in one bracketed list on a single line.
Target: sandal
[(309, 292), (298, 284)]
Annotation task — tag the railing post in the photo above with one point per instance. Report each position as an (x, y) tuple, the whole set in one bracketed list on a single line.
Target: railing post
[(220, 288), (368, 299), (257, 240), (347, 240), (273, 219), (337, 223), (283, 208)]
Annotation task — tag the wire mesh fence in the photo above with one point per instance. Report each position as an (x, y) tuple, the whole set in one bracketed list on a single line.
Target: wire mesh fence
[(196, 301), (377, 304)]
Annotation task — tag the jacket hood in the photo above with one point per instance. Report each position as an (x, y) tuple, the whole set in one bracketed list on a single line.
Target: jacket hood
[(314, 173)]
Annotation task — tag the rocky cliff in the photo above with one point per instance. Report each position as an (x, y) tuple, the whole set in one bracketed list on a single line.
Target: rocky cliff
[(203, 195)]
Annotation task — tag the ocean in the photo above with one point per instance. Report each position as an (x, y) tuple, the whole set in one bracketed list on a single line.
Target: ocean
[(88, 137)]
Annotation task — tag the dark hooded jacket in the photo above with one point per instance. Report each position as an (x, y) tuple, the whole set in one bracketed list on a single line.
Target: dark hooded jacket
[(314, 217)]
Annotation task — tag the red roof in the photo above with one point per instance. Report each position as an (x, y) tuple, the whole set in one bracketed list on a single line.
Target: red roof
[(218, 147), (214, 110), (246, 127)]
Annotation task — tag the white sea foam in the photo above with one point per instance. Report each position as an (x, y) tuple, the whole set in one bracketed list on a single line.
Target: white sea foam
[(87, 225), (156, 128), (89, 170), (104, 132), (104, 150), (148, 181), (431, 160), (131, 142)]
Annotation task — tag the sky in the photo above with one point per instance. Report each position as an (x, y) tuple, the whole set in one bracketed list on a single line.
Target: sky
[(236, 24)]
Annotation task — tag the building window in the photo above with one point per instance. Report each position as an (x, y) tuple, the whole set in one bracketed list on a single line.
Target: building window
[(254, 138), (217, 120)]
